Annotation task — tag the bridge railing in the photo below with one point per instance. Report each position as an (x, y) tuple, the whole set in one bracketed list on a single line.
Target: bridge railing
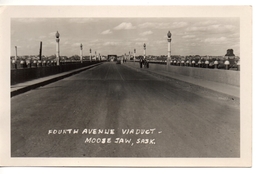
[(219, 64), (26, 73), (228, 77), (23, 64)]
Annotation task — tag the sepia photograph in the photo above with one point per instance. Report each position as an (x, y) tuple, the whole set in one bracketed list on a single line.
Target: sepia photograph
[(129, 88)]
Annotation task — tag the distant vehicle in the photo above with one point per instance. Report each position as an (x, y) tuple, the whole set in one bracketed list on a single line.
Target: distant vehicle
[(118, 61)]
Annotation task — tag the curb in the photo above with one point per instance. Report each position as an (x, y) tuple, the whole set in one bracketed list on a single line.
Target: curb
[(46, 82)]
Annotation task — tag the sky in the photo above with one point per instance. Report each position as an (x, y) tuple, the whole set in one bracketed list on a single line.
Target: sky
[(190, 36)]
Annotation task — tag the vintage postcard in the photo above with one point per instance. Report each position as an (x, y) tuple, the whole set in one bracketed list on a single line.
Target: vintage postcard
[(133, 86)]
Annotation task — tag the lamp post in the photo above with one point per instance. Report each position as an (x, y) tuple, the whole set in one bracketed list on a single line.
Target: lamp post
[(169, 49), (15, 53), (134, 54), (129, 56), (90, 55), (15, 59), (81, 53), (96, 55), (144, 50), (58, 48), (40, 53)]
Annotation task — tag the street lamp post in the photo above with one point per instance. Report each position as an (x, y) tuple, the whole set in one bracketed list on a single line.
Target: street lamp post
[(90, 55), (15, 53), (169, 49), (144, 50), (40, 53), (58, 48), (81, 53), (134, 54), (96, 55)]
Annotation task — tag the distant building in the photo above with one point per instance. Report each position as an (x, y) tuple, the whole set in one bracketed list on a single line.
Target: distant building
[(230, 53)]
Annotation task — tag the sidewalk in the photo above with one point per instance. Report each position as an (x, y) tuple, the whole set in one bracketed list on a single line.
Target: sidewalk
[(214, 86), (32, 84)]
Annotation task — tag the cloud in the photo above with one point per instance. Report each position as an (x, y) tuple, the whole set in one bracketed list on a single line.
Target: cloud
[(178, 24), (194, 28), (172, 25), (42, 37), (208, 22), (110, 43), (52, 42), (161, 42), (139, 43), (188, 36), (234, 35), (146, 33), (219, 40), (107, 32), (212, 28), (141, 39), (76, 45), (193, 44), (124, 26), (95, 40), (52, 34), (234, 46)]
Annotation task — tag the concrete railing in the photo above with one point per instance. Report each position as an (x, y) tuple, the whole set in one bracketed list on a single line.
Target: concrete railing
[(215, 75), (26, 74), (204, 64)]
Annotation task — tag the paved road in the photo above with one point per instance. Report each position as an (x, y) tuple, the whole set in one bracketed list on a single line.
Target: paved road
[(115, 111)]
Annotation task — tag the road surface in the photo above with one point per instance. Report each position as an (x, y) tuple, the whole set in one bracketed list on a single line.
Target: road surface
[(115, 111)]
